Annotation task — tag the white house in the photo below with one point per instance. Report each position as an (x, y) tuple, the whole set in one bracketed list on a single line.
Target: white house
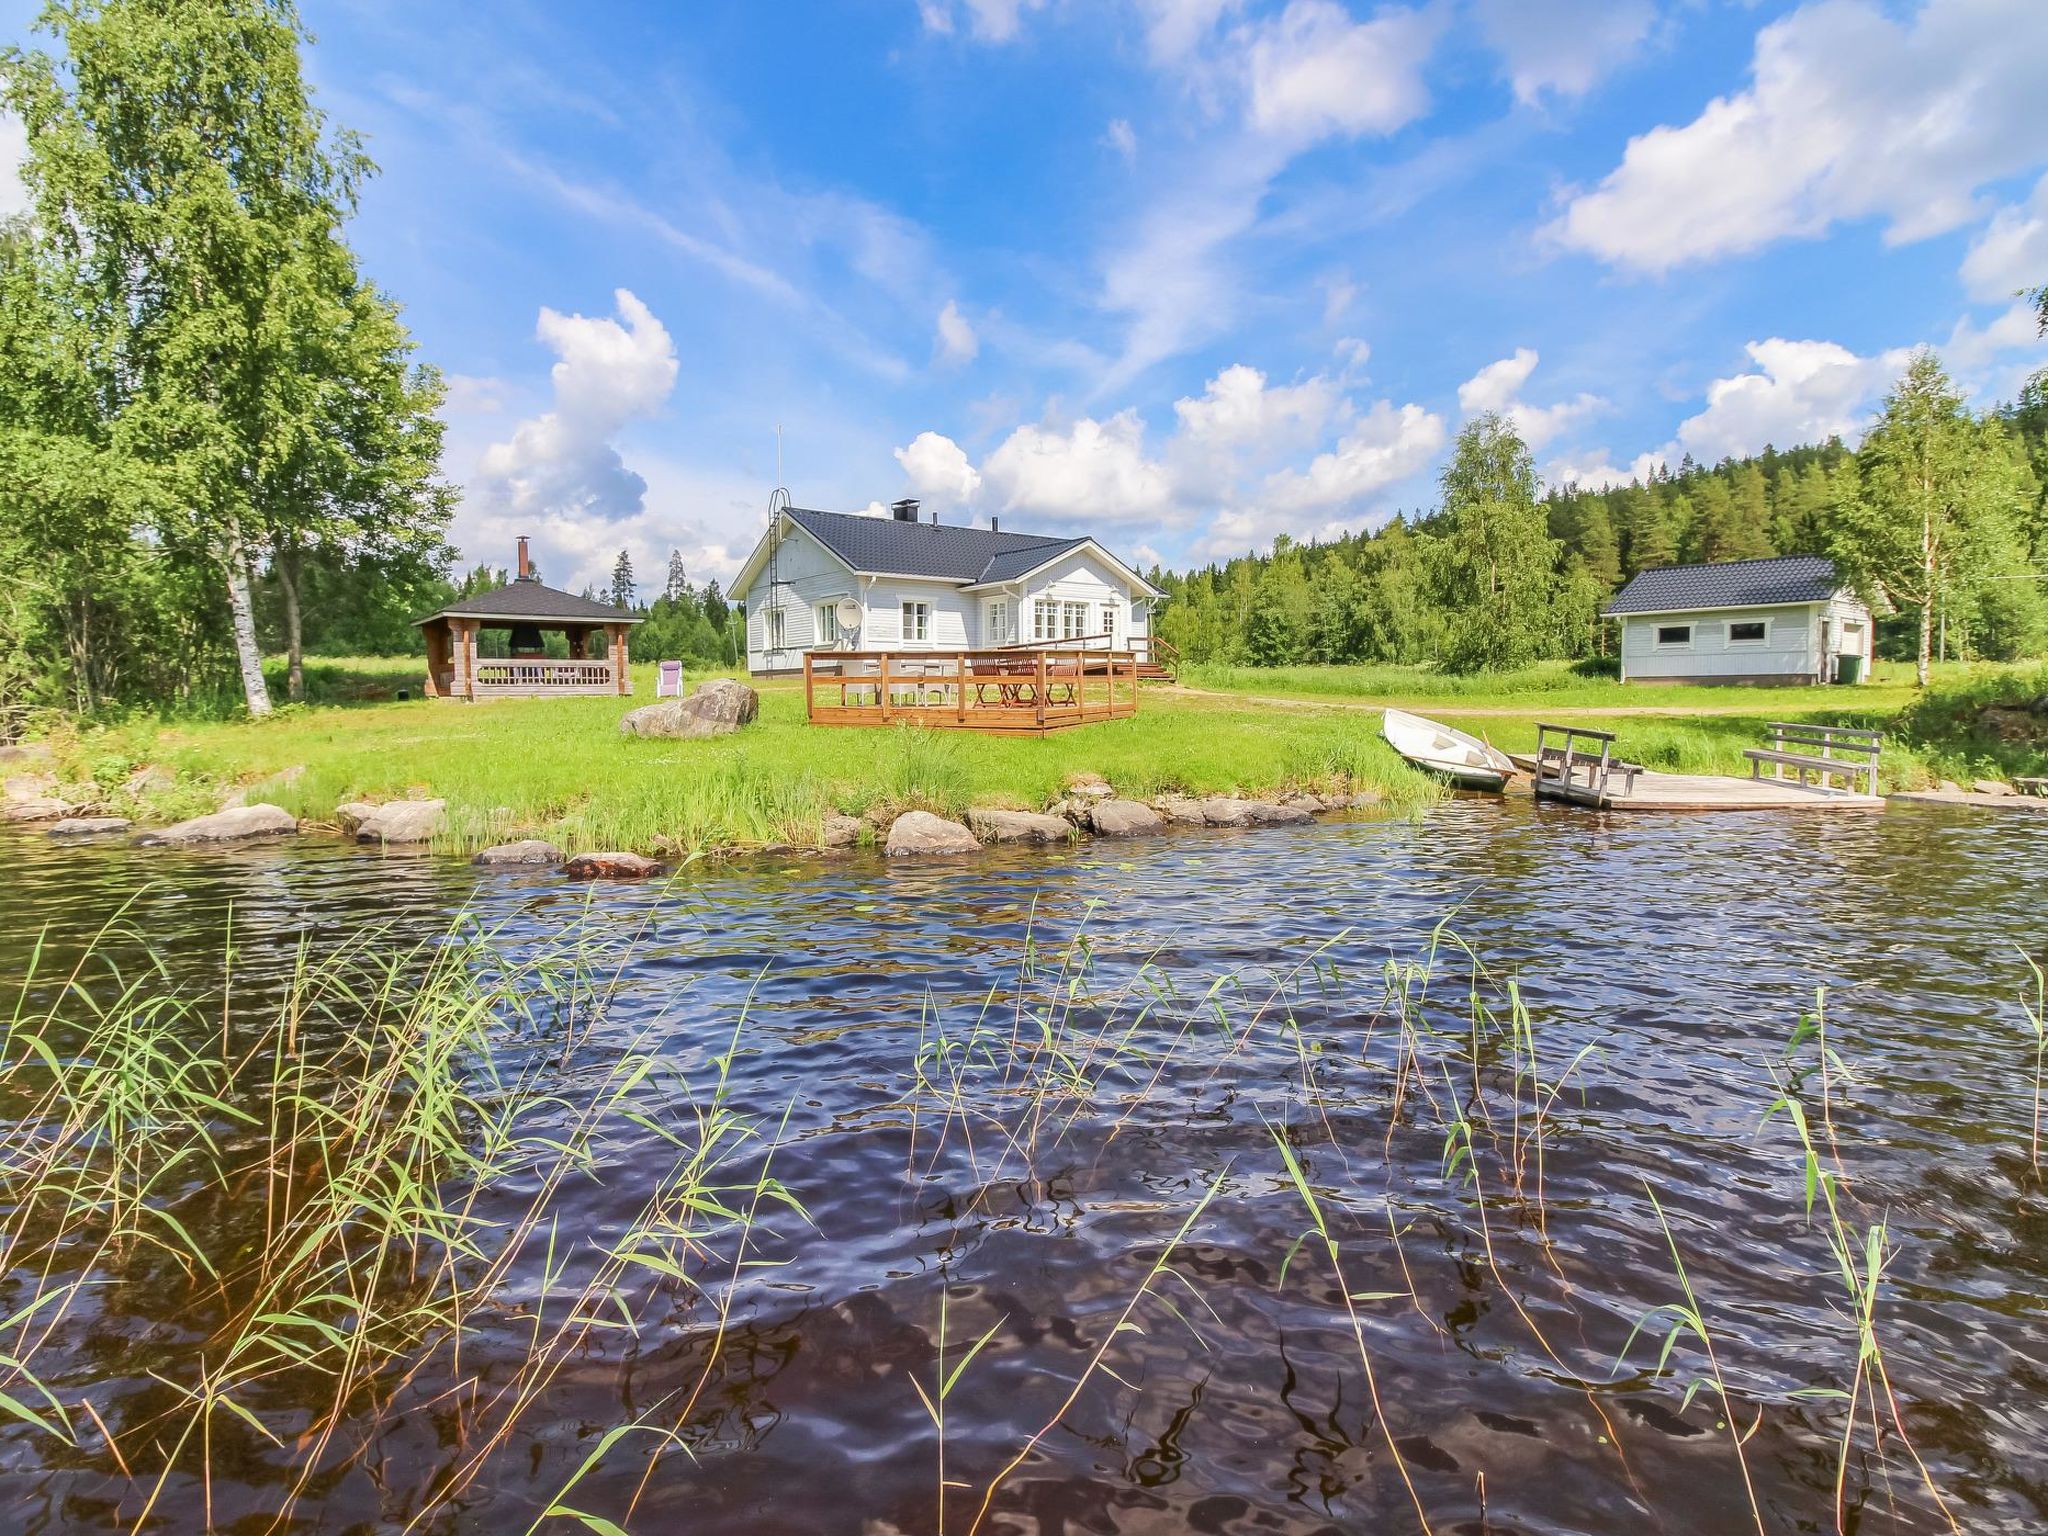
[(821, 581), (1788, 620)]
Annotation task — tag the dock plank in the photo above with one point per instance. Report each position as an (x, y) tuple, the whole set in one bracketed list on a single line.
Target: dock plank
[(1709, 792)]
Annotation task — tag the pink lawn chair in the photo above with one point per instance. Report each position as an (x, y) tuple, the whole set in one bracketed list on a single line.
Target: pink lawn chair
[(668, 684)]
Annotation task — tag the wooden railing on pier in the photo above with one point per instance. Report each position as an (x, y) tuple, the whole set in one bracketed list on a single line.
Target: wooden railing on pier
[(1008, 691)]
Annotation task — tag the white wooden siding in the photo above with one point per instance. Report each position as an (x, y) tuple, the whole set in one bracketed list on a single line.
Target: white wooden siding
[(807, 574), (1790, 649)]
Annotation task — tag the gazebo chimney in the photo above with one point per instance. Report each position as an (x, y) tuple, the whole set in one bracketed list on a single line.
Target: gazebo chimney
[(525, 563)]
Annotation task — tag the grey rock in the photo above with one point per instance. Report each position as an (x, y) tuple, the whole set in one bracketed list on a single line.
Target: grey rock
[(1991, 787), (917, 833), (1305, 802), (528, 850), (351, 814), (1180, 809), (34, 808), (1263, 813), (1090, 789), (999, 826), (1123, 818), (149, 780), (231, 825), (88, 826), (842, 831), (717, 708), (403, 822), (1364, 800), (1949, 787), (611, 866), (1226, 811)]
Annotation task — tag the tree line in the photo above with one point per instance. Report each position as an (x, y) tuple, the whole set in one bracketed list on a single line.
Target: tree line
[(209, 416), (1938, 518)]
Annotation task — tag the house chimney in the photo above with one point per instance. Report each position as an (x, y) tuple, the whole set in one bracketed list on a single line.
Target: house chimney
[(525, 563), (905, 510), (993, 525)]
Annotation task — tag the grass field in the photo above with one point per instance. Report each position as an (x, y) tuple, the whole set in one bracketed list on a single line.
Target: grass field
[(558, 768)]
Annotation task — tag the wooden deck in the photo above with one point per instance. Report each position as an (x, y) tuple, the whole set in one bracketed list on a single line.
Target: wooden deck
[(1008, 692), (1649, 791)]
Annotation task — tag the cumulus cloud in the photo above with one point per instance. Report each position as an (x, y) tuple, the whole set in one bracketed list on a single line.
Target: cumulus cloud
[(938, 470), (1563, 47), (1798, 392), (1314, 71), (2011, 252), (1386, 445), (956, 341), (13, 150), (1093, 472), (1498, 387), (560, 474), (1492, 387), (990, 21), (1237, 412), (1850, 114), (1174, 28), (1597, 472), (1123, 138)]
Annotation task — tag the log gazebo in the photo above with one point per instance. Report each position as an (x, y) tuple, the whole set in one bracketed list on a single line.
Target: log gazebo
[(596, 634)]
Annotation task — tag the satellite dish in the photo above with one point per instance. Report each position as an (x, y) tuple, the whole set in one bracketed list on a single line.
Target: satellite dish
[(848, 613)]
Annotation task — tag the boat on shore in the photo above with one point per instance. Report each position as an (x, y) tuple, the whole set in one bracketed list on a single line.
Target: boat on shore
[(1465, 760)]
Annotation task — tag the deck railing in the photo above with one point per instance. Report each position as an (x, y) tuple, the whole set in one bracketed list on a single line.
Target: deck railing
[(541, 674), (1006, 690)]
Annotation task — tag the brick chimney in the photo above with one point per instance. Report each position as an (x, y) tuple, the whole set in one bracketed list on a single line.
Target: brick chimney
[(525, 561)]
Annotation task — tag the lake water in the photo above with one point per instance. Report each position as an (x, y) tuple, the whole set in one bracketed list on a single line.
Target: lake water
[(886, 1051)]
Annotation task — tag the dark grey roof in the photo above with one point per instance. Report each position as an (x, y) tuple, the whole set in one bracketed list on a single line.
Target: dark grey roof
[(885, 546), (531, 601), (1729, 584)]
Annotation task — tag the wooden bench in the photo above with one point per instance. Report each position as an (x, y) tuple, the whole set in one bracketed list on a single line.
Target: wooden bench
[(1826, 751), (2035, 787), (1574, 752)]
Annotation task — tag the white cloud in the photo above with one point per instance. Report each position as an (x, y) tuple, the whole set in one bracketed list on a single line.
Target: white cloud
[(1799, 392), (2011, 252), (991, 21), (560, 475), (1596, 472), (956, 341), (1314, 71), (938, 470), (1174, 28), (13, 150), (1123, 138), (1495, 385), (936, 15), (1562, 46), (1094, 472), (1237, 416), (1386, 445), (1849, 115)]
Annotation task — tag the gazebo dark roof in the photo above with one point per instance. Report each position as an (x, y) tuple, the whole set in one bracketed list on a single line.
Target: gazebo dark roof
[(527, 601), (1774, 583)]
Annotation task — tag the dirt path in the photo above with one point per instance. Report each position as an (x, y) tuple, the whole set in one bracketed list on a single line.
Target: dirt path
[(1450, 710)]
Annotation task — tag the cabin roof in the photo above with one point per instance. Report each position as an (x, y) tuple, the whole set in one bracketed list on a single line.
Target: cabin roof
[(527, 601), (1783, 581), (886, 546)]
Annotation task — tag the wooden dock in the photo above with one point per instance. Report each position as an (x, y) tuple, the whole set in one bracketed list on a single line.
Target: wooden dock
[(1706, 792), (1577, 766)]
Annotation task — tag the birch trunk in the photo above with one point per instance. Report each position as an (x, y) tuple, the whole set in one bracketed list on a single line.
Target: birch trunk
[(295, 650), (243, 612)]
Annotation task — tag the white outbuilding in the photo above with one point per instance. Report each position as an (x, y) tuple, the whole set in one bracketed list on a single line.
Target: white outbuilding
[(1785, 621)]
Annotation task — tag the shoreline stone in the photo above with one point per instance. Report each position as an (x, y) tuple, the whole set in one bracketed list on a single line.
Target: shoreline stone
[(87, 826), (916, 834), (351, 814), (527, 850), (401, 823), (994, 825), (611, 866), (1123, 818), (235, 824), (842, 831)]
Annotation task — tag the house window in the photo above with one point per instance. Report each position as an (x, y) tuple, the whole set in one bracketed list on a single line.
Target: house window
[(1073, 620), (1108, 630), (774, 618), (998, 624), (1674, 634), (917, 621), (828, 623), (1746, 630), (1045, 620)]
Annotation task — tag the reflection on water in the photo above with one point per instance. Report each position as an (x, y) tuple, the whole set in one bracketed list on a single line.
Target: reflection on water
[(1664, 962)]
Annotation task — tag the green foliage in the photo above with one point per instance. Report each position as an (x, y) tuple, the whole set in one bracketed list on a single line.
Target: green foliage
[(1495, 561)]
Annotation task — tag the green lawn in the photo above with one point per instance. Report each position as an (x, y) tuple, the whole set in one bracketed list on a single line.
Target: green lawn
[(559, 768)]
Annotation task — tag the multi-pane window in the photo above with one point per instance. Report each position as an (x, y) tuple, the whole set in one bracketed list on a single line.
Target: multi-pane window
[(998, 622), (1073, 620), (1108, 630), (828, 623), (917, 621), (1045, 619), (774, 624)]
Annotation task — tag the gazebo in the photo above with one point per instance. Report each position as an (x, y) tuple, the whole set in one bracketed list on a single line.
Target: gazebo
[(528, 609)]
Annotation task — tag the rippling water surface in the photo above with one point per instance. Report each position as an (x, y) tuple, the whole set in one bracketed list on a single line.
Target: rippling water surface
[(1210, 990)]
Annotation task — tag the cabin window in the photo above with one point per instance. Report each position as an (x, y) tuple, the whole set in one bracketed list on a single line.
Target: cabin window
[(828, 623), (1108, 630), (917, 621), (1674, 634), (774, 618), (1073, 621), (1745, 630), (998, 622), (1045, 620)]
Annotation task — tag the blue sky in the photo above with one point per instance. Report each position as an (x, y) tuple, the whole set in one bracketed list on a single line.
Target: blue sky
[(1186, 274)]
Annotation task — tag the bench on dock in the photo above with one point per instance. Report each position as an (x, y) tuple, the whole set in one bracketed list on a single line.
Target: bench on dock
[(1579, 756), (1825, 751), (2035, 787)]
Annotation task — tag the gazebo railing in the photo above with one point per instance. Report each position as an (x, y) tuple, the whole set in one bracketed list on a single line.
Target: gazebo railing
[(532, 674)]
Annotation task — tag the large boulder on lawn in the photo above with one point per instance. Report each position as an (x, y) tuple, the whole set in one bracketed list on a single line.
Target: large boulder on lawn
[(229, 826), (611, 866), (999, 826), (528, 850), (717, 708), (403, 822), (916, 833), (88, 826), (1123, 818)]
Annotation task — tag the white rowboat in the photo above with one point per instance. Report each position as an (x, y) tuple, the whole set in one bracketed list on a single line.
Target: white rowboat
[(1465, 760)]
